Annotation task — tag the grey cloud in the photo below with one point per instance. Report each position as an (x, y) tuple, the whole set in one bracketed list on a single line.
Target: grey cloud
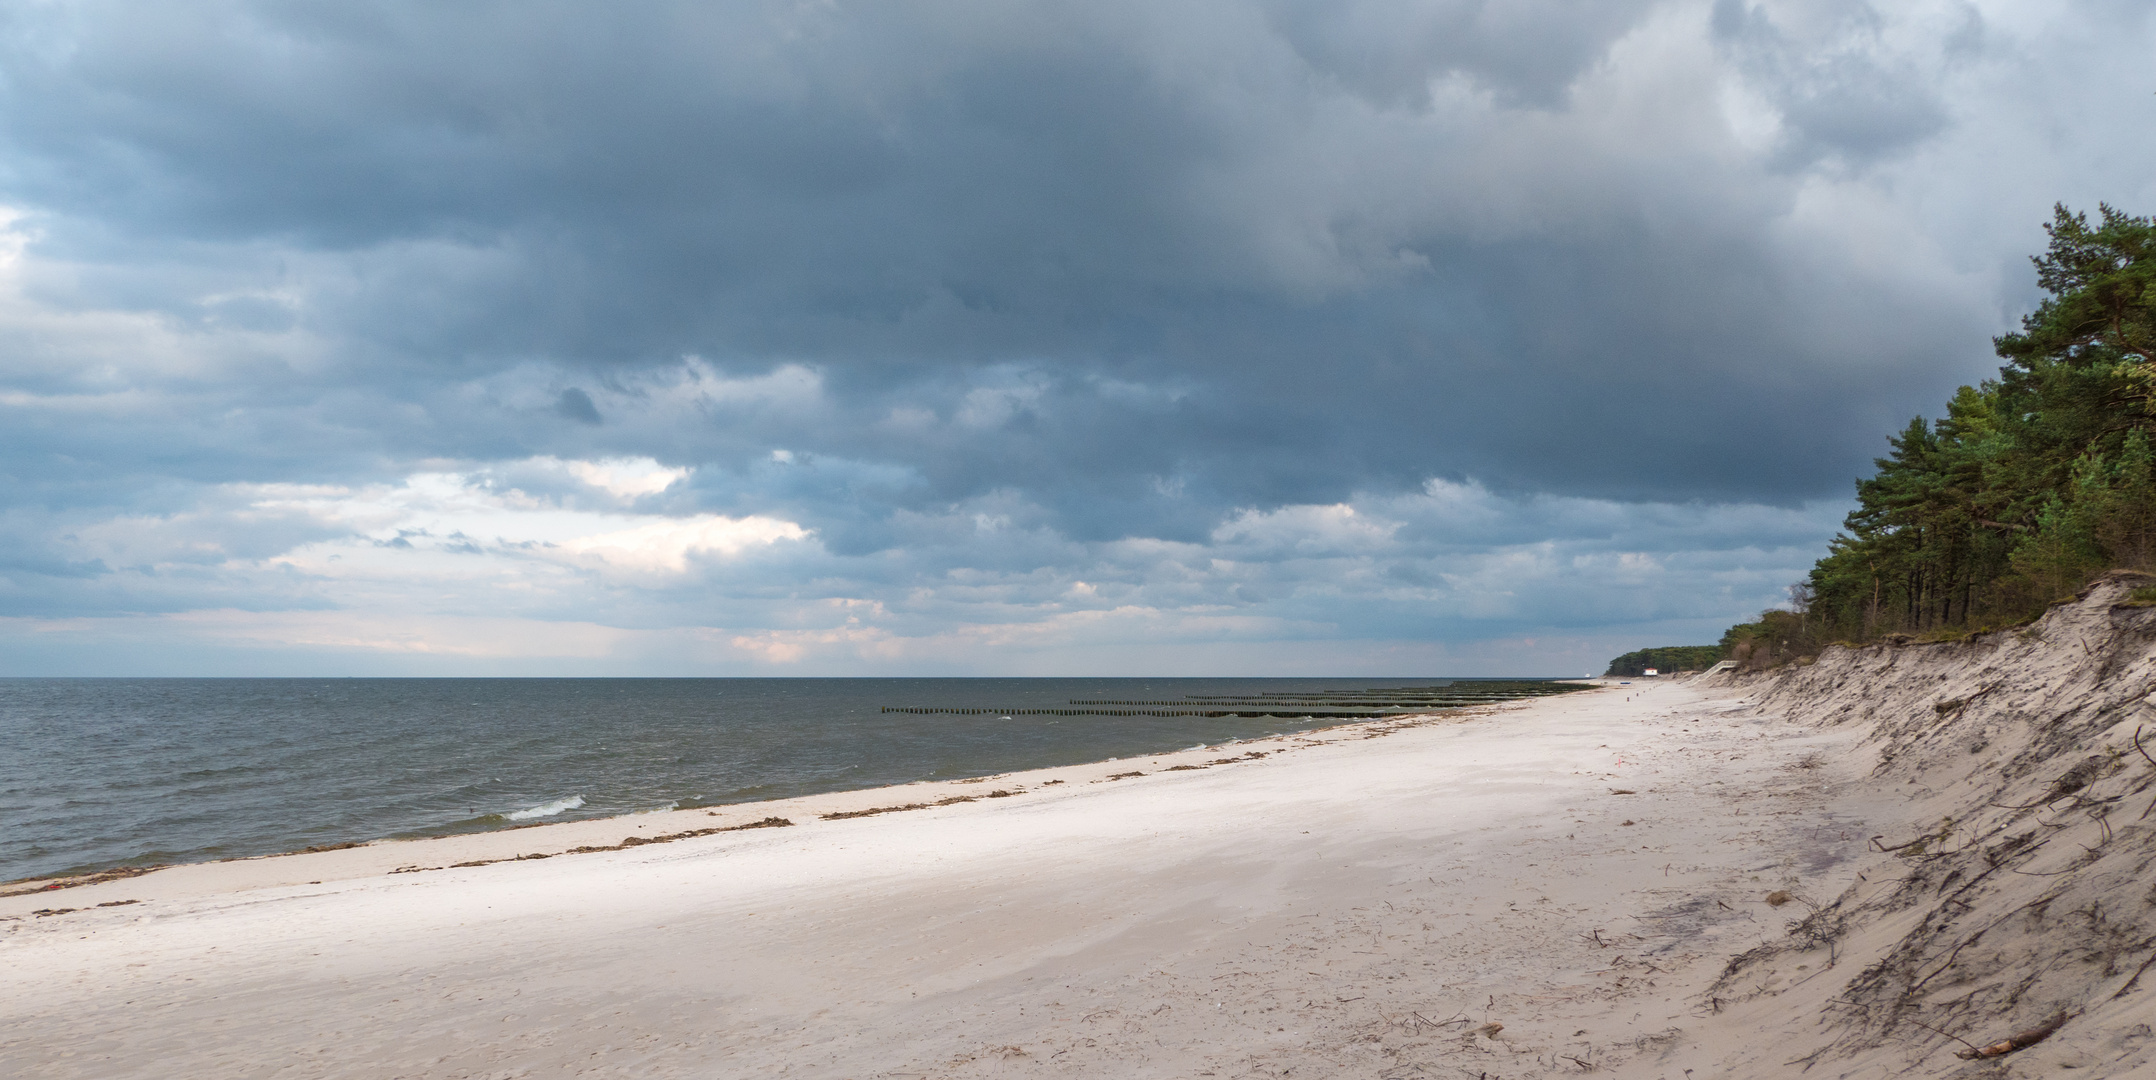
[(1842, 89), (1527, 52), (892, 196), (575, 404), (1106, 272), (1457, 563)]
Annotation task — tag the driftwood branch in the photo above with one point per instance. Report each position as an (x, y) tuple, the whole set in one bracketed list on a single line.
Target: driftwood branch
[(2016, 1041)]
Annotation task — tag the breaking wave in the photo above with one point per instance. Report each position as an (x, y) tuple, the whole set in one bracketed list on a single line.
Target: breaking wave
[(548, 809)]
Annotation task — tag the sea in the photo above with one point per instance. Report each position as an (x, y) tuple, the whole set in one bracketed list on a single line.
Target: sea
[(104, 773)]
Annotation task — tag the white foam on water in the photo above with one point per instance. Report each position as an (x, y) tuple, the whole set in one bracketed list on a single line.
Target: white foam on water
[(548, 809)]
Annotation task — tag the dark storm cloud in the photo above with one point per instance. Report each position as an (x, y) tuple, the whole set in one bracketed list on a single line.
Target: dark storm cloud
[(575, 404), (1085, 273), (1209, 194)]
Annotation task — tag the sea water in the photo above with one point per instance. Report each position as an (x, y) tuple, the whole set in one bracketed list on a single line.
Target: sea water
[(97, 773)]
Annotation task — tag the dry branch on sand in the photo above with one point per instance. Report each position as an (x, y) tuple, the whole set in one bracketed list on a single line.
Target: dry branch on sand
[(2017, 1041)]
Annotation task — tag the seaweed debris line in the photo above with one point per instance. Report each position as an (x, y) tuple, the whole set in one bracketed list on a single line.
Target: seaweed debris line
[(1337, 705)]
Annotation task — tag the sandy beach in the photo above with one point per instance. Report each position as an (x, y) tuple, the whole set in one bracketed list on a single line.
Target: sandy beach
[(1516, 891)]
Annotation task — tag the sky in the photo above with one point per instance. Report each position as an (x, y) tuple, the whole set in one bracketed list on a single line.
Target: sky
[(954, 337)]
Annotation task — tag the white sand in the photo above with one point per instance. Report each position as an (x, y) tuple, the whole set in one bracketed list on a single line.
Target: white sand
[(1346, 905)]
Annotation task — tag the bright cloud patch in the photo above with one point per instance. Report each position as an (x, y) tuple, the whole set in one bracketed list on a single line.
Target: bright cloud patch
[(444, 521), (469, 529), (627, 479), (669, 545)]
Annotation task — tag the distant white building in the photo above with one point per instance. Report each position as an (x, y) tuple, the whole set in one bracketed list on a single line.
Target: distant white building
[(1652, 672)]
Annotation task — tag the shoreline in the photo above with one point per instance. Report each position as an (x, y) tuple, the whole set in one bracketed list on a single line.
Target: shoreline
[(63, 880), (1516, 889), (638, 828)]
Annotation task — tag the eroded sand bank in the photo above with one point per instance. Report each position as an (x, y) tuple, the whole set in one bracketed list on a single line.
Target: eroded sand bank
[(1370, 901)]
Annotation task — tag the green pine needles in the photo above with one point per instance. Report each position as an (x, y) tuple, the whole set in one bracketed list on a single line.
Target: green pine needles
[(2030, 485), (1666, 659)]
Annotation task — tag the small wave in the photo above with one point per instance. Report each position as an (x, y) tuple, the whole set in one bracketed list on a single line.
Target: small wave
[(548, 809)]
